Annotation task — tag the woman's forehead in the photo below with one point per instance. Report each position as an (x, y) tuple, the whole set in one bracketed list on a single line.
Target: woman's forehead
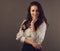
[(34, 7)]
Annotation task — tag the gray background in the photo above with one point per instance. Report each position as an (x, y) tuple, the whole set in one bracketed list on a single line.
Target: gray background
[(13, 12)]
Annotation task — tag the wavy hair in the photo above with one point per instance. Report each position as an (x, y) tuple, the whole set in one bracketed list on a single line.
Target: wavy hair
[(41, 16)]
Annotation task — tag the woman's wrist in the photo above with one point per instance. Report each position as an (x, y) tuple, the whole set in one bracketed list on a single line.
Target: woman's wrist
[(32, 23), (32, 27), (28, 41)]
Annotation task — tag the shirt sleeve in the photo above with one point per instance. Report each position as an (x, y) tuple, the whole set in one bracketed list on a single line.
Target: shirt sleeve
[(41, 33), (20, 35)]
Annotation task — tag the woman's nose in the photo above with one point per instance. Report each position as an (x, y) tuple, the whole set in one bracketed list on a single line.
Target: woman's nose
[(35, 12)]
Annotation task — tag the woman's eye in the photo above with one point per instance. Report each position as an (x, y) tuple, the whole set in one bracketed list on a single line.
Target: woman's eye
[(32, 10), (36, 10)]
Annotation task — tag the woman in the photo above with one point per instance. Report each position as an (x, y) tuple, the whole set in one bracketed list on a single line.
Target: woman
[(33, 28)]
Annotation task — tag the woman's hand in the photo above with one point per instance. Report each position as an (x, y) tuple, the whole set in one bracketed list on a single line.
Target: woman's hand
[(33, 21), (36, 45), (32, 25)]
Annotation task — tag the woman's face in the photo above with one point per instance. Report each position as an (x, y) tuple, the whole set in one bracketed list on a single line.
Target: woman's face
[(34, 12)]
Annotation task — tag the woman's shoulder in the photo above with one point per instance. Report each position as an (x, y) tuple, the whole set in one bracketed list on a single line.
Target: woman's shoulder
[(43, 24), (23, 21)]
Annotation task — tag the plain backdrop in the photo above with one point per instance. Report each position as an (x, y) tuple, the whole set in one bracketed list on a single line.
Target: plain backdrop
[(13, 12)]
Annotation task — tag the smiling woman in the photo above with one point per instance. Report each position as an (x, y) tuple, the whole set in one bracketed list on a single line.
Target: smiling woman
[(33, 28), (34, 12)]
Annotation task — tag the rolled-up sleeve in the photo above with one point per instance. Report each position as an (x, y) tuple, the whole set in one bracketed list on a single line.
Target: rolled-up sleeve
[(20, 35)]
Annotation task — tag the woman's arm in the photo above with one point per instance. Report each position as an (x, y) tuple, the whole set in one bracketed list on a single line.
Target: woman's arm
[(20, 37), (34, 44), (41, 32)]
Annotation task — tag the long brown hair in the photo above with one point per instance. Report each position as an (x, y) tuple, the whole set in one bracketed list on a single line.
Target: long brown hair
[(41, 16)]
